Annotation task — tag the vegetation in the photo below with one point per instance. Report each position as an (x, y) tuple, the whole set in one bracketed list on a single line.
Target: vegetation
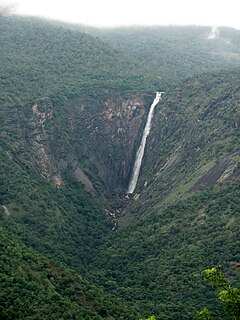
[(175, 53), (227, 295), (194, 138), (39, 59), (72, 109), (155, 261), (33, 287)]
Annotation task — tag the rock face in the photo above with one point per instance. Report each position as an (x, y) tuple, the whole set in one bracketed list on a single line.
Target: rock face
[(92, 139), (219, 172), (122, 119), (37, 142), (107, 127)]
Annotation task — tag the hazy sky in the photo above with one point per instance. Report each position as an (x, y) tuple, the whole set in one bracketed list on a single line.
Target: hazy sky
[(131, 12)]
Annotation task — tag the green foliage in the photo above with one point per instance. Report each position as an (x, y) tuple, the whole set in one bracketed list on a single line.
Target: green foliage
[(227, 295), (215, 278), (40, 59), (186, 216), (175, 53), (40, 212), (155, 259), (194, 137), (204, 314), (34, 287)]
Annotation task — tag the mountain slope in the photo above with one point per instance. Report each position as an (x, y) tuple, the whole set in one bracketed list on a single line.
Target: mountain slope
[(196, 127), (72, 113), (63, 145), (175, 53), (156, 262), (184, 216), (65, 223), (33, 287), (59, 86), (39, 59)]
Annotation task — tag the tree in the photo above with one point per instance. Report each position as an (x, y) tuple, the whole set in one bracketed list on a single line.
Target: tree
[(227, 295)]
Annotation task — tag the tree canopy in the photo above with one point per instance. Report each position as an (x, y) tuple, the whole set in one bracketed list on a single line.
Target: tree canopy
[(228, 296)]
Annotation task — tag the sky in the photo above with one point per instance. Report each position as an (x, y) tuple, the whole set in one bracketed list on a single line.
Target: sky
[(105, 13)]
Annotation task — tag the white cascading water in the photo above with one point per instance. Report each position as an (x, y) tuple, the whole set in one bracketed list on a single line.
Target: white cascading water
[(141, 149), (214, 34)]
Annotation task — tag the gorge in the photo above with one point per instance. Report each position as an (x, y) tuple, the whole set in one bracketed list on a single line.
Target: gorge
[(80, 128), (141, 149)]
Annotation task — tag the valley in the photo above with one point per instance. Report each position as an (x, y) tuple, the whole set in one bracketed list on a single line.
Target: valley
[(85, 233)]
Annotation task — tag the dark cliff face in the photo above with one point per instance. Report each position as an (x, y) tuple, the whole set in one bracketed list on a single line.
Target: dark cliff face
[(69, 134), (194, 140), (91, 139)]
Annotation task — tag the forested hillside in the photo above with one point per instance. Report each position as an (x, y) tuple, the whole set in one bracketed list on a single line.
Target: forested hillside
[(184, 216), (156, 262), (174, 53), (195, 136), (33, 287), (74, 102), (39, 59), (47, 200)]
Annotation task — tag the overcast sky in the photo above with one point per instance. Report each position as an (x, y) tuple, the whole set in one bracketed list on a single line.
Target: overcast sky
[(135, 12)]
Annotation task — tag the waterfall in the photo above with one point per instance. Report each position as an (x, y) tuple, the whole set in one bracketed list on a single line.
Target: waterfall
[(141, 149), (214, 34)]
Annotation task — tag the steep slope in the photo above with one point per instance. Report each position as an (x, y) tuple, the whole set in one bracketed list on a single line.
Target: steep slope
[(67, 136), (66, 223), (60, 86), (184, 216), (72, 113), (175, 53), (155, 263), (33, 287), (89, 139), (194, 141), (63, 132), (39, 59)]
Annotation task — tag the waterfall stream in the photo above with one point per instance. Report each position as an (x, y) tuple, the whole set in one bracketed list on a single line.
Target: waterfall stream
[(141, 149)]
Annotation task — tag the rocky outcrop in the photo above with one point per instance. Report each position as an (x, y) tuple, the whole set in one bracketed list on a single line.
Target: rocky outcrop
[(219, 172), (37, 140), (107, 128), (6, 210), (124, 119), (93, 139), (81, 176)]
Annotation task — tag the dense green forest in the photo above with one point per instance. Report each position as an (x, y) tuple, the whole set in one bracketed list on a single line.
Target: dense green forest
[(174, 53), (157, 260), (74, 102), (33, 287), (39, 59), (195, 137)]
